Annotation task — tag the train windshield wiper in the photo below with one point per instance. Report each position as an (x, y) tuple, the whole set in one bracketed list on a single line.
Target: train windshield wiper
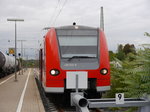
[(79, 57)]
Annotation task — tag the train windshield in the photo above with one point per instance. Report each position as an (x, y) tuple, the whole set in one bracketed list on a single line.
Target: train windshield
[(78, 43)]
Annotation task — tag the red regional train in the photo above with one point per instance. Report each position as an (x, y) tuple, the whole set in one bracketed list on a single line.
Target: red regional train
[(75, 48)]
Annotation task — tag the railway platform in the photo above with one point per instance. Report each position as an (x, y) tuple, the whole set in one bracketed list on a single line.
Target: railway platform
[(20, 96)]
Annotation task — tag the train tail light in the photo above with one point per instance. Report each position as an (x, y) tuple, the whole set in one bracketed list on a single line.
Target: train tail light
[(54, 72), (104, 71)]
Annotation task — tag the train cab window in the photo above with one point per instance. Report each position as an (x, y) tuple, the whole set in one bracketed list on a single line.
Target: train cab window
[(78, 43)]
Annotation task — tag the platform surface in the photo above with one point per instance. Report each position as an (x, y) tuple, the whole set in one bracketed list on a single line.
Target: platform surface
[(16, 97)]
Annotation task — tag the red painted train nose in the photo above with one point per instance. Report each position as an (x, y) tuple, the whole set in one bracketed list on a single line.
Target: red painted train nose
[(74, 48)]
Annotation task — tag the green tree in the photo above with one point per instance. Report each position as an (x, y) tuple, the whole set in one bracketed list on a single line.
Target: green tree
[(112, 55), (120, 54), (120, 48), (138, 79), (138, 75), (129, 49), (133, 78), (147, 34)]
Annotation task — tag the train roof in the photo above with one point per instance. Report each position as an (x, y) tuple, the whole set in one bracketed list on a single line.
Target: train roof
[(80, 27), (72, 27)]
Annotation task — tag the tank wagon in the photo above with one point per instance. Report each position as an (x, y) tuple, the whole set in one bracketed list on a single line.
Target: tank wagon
[(7, 64)]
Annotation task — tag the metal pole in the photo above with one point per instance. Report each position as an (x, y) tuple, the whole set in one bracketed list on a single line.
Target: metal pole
[(21, 56), (76, 83), (77, 108), (24, 60), (15, 20), (15, 51), (101, 19), (22, 48), (27, 63)]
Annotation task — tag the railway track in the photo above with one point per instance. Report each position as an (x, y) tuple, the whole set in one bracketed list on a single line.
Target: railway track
[(51, 104)]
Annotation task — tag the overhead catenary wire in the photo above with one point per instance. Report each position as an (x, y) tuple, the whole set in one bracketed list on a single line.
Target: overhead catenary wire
[(54, 12), (59, 12)]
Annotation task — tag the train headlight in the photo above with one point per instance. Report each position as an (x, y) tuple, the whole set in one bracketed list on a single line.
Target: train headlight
[(54, 72), (104, 71)]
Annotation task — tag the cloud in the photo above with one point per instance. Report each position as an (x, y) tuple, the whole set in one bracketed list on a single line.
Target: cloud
[(125, 20)]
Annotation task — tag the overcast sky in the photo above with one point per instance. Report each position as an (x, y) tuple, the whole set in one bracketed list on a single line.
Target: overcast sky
[(125, 20)]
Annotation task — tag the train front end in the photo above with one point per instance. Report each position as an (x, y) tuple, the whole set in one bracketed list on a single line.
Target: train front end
[(75, 49)]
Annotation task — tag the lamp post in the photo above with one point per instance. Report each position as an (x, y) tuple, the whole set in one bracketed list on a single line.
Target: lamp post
[(15, 20)]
